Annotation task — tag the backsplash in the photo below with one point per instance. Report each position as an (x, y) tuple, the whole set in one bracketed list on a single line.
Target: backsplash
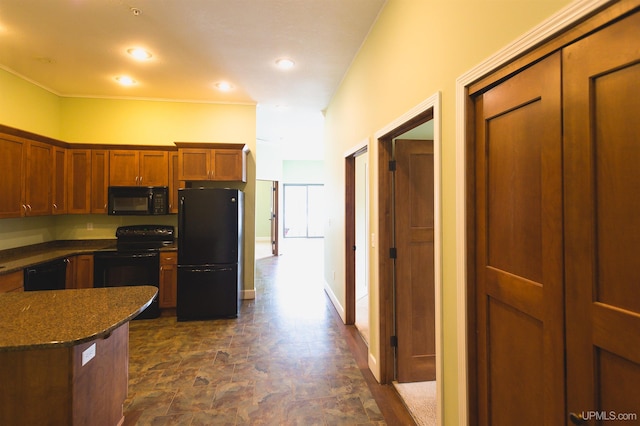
[(20, 232)]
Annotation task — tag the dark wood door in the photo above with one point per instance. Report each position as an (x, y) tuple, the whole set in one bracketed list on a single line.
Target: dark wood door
[(602, 221), (519, 293), (414, 225)]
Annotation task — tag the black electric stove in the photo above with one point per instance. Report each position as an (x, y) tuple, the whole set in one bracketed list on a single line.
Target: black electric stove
[(134, 261)]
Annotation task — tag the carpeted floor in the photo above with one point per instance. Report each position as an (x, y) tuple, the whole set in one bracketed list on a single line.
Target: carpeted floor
[(420, 399)]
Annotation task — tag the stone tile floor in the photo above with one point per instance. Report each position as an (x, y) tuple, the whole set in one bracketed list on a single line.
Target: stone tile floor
[(283, 361)]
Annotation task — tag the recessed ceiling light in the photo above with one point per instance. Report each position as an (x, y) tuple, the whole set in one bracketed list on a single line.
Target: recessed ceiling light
[(125, 80), (139, 53), (224, 86), (285, 63)]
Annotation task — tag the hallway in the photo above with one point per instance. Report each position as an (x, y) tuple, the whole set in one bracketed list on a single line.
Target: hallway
[(286, 360)]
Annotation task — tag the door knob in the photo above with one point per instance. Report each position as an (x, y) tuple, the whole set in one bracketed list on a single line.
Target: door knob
[(577, 419)]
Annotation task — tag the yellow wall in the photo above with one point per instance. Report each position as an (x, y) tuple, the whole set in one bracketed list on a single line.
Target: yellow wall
[(416, 49), (28, 107), (25, 106)]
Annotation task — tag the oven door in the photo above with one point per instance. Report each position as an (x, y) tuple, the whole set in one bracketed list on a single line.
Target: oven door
[(116, 269)]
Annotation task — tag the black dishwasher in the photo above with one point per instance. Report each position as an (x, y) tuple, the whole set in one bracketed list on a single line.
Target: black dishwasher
[(51, 275)]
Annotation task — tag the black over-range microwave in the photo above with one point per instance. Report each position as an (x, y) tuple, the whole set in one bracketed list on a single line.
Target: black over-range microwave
[(138, 200)]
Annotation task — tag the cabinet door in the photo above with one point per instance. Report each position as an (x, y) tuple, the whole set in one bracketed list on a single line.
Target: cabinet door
[(59, 194), (174, 182), (79, 181), (11, 282), (227, 165), (99, 180), (70, 279), (12, 182), (84, 271), (124, 168), (38, 179), (154, 167), (194, 164), (168, 279)]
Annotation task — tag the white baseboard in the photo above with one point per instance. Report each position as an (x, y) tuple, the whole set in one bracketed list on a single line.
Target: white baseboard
[(335, 301), (248, 294)]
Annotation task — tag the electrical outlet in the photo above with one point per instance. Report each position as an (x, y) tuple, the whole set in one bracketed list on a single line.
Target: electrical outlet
[(90, 226)]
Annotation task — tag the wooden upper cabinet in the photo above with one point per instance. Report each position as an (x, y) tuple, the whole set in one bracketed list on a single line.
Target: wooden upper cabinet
[(217, 162), (174, 182), (27, 176), (12, 164), (124, 168), (79, 181), (59, 196), (99, 180), (194, 164), (154, 168), (38, 179), (138, 168)]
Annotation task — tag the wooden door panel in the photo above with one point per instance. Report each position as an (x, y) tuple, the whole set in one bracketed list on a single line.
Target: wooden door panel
[(602, 98), (516, 361), (617, 159), (415, 279), (519, 299), (514, 190)]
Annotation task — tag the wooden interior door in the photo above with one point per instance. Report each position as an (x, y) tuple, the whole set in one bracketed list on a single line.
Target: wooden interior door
[(602, 222), (415, 273), (519, 270)]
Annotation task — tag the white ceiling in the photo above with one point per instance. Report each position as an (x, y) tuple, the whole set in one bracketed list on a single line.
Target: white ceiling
[(78, 47)]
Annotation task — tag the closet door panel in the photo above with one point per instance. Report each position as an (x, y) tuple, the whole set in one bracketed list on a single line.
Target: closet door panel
[(519, 299), (601, 89)]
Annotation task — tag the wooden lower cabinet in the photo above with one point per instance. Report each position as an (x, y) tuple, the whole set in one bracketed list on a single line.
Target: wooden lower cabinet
[(12, 282), (168, 279), (80, 271), (51, 386)]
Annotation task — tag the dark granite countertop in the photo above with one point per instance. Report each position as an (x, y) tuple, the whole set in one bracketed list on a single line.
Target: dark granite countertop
[(41, 319), (13, 260)]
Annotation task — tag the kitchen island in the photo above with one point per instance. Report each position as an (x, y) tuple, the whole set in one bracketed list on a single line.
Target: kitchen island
[(64, 354)]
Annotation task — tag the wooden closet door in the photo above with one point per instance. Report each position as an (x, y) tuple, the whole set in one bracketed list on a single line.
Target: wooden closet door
[(519, 279), (602, 221)]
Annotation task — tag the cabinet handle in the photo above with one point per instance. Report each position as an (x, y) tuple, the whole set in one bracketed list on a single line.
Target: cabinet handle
[(29, 206), (140, 180), (55, 206), (25, 208), (136, 180)]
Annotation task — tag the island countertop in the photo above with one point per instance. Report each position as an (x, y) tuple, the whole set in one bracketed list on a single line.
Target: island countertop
[(41, 319)]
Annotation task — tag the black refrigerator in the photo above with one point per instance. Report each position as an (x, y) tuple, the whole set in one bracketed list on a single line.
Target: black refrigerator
[(210, 224)]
